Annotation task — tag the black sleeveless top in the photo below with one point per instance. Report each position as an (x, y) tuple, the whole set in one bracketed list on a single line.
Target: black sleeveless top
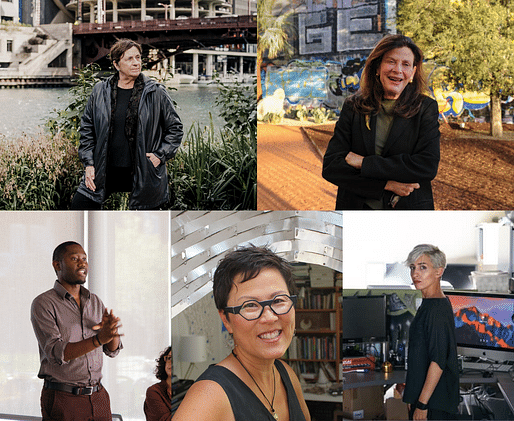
[(245, 405)]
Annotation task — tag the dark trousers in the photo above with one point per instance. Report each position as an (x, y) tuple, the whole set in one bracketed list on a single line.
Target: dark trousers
[(81, 202), (434, 414), (119, 180), (63, 406)]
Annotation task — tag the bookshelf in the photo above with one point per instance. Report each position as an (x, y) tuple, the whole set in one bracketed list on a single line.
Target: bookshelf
[(316, 346)]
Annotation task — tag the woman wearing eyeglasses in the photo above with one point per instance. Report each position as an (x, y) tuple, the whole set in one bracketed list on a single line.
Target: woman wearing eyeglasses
[(254, 294), (157, 404)]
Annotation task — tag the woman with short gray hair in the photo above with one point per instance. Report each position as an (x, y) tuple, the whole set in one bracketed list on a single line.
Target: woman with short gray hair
[(432, 386), (436, 256)]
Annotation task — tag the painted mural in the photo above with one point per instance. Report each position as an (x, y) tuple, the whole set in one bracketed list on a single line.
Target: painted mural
[(328, 83), (453, 101), (314, 83), (342, 26), (334, 39)]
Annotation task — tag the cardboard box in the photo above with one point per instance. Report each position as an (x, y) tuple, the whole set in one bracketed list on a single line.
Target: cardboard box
[(363, 403), (396, 409)]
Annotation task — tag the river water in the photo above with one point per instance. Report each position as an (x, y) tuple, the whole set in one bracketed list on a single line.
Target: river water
[(25, 110)]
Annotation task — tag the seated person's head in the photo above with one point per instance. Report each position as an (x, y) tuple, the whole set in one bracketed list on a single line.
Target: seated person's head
[(164, 369)]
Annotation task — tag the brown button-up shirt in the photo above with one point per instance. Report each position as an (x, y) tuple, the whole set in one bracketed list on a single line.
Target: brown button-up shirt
[(57, 321)]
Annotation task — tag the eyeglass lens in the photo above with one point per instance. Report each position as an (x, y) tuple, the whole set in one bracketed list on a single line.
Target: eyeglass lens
[(253, 309)]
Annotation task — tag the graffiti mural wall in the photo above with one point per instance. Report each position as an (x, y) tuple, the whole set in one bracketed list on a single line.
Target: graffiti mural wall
[(454, 102), (328, 83), (315, 83), (334, 39)]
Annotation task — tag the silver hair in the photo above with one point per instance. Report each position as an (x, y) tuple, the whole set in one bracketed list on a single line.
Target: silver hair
[(436, 256)]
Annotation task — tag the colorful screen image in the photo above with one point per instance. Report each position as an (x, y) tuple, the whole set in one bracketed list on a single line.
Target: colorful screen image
[(483, 321)]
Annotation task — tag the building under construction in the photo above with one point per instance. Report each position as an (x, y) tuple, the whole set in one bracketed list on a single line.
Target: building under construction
[(47, 52)]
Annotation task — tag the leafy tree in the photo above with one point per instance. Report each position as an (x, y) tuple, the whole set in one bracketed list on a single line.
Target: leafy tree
[(272, 35), (473, 38)]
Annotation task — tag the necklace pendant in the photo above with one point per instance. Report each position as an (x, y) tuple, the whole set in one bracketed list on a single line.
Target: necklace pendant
[(275, 415)]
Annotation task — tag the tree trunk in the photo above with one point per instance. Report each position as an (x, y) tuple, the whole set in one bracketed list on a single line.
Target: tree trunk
[(259, 81), (496, 116)]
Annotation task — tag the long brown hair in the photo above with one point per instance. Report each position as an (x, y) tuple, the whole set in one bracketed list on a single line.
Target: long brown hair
[(368, 98)]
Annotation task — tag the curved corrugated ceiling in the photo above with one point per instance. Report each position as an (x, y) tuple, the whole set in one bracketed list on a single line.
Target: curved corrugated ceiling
[(200, 240)]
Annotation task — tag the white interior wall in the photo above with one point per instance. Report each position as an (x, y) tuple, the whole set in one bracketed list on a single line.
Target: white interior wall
[(200, 319), (129, 262), (371, 239), (129, 270), (27, 242)]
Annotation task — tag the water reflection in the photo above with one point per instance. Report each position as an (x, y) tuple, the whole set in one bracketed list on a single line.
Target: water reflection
[(24, 110)]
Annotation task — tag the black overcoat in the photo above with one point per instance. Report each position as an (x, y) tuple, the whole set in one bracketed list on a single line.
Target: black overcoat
[(410, 155), (159, 131)]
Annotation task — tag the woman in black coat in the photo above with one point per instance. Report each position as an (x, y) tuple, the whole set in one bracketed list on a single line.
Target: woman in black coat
[(127, 133), (385, 148)]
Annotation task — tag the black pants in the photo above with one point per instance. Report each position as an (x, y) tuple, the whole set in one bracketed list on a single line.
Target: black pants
[(81, 202), (120, 180), (434, 414)]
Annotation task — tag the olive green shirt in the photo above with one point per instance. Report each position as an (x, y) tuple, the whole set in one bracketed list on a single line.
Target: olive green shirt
[(384, 123)]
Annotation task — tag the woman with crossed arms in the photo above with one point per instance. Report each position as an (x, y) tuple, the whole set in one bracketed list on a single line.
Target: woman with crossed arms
[(385, 148)]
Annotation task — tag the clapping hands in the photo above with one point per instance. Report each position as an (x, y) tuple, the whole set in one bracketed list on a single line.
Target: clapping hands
[(108, 327)]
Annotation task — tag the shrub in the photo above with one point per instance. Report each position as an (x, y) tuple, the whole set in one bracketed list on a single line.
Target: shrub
[(238, 105), (210, 171), (215, 173), (38, 173), (67, 121)]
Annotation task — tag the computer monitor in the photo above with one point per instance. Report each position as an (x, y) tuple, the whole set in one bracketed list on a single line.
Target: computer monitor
[(364, 319), (484, 324)]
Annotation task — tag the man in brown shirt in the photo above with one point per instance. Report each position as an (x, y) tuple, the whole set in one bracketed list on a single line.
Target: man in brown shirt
[(73, 329)]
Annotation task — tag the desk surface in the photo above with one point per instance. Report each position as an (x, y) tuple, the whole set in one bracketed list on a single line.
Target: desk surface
[(322, 398), (376, 378), (372, 378)]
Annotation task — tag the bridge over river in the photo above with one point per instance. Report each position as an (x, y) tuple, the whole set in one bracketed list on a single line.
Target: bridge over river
[(167, 36)]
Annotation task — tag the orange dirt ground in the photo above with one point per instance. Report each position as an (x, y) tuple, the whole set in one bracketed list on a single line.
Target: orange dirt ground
[(476, 171)]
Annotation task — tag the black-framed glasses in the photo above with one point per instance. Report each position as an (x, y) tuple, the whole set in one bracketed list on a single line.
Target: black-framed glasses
[(253, 309)]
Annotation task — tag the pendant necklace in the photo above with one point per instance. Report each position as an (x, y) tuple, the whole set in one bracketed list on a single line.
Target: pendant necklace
[(273, 399)]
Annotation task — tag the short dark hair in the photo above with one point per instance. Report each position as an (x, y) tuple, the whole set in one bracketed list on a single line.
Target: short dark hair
[(160, 370), (247, 262), (119, 48), (61, 249)]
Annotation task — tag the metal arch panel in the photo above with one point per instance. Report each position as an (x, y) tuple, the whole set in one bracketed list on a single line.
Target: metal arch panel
[(196, 231), (214, 254), (201, 239)]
